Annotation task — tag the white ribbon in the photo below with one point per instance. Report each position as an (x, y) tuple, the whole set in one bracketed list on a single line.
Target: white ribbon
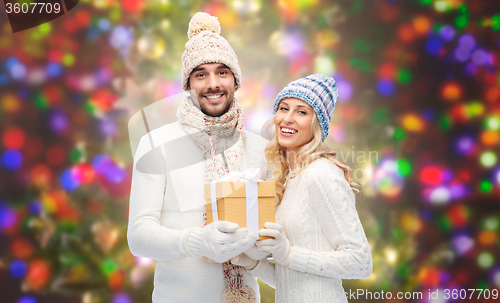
[(250, 176)]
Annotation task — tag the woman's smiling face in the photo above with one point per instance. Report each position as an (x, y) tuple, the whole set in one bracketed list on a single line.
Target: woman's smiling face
[(293, 123)]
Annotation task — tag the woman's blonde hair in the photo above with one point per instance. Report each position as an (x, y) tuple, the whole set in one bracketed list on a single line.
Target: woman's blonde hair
[(277, 158)]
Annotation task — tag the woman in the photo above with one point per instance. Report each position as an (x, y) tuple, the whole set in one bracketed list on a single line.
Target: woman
[(318, 237)]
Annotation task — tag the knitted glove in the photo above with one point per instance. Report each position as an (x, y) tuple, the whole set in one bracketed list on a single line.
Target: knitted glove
[(279, 246), (255, 254), (245, 261), (220, 240)]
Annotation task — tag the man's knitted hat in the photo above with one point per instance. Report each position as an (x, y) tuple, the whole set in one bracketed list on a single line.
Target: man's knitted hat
[(317, 90), (206, 45)]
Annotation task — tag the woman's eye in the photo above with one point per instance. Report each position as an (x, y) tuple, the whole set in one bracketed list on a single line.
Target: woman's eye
[(302, 112), (283, 108)]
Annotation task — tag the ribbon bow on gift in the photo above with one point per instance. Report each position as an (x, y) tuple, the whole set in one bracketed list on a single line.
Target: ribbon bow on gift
[(250, 176)]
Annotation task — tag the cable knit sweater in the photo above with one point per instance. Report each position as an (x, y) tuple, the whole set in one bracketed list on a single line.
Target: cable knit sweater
[(320, 220), (165, 206)]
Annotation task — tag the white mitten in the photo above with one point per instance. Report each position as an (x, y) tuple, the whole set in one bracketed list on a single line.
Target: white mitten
[(220, 240), (245, 261), (256, 254), (279, 246)]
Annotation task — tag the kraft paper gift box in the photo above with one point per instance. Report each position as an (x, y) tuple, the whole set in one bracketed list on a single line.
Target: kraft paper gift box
[(232, 203)]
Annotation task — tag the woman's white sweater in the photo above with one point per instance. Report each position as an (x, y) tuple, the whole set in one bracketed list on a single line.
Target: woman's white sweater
[(320, 220)]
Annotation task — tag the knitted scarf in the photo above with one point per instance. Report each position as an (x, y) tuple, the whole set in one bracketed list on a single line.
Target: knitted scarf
[(222, 156)]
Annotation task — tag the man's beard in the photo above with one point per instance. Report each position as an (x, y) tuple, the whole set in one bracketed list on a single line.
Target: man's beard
[(207, 110)]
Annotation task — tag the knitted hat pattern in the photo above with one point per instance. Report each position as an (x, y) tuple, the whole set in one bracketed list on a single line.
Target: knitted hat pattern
[(319, 91), (206, 45)]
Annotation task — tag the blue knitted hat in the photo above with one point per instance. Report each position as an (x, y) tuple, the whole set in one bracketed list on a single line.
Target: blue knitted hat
[(317, 90)]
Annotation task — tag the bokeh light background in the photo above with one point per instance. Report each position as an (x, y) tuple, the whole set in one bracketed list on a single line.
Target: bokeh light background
[(418, 120)]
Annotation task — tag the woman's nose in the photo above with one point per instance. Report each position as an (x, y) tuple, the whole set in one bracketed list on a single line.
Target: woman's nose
[(289, 117)]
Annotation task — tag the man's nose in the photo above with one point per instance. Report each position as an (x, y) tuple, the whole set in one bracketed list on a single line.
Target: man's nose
[(213, 82)]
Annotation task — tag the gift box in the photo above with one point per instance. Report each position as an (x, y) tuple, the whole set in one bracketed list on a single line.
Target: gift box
[(249, 204)]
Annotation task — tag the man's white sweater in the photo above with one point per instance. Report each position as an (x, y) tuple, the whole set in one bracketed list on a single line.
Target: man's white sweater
[(165, 206)]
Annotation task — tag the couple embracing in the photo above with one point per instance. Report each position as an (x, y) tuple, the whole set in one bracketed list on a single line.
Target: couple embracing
[(317, 239)]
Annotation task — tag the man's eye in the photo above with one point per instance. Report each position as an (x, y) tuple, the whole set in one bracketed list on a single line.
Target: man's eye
[(200, 75), (223, 72)]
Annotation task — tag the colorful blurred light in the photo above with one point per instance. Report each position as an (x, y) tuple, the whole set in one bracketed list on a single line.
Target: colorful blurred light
[(431, 175), (12, 159), (27, 299), (447, 32), (13, 138), (434, 46), (69, 180), (487, 237), (121, 37), (470, 69), (463, 244), (404, 168), (458, 215), (121, 298), (493, 123), (58, 121), (345, 90), (458, 191), (451, 91), (421, 24), (387, 179), (485, 260), (54, 69), (440, 195), (411, 223), (485, 186), (18, 268), (481, 57), (488, 159), (465, 144), (386, 87), (490, 137), (412, 123), (490, 223)]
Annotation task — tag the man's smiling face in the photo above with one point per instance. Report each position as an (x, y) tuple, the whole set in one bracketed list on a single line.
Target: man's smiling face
[(214, 86)]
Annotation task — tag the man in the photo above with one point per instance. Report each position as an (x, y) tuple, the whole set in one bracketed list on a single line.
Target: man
[(167, 220)]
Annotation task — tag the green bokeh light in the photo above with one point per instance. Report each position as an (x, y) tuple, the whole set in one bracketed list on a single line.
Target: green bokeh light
[(404, 76), (444, 223), (493, 123), (445, 122), (485, 260), (461, 21), (40, 101), (108, 267), (495, 22), (488, 159), (485, 186), (404, 168), (77, 155), (399, 134), (491, 223)]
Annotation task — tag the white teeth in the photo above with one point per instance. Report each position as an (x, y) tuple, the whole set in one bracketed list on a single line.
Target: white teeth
[(213, 97), (289, 131)]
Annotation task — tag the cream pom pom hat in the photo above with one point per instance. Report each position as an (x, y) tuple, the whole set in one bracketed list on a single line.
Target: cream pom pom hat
[(206, 45)]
